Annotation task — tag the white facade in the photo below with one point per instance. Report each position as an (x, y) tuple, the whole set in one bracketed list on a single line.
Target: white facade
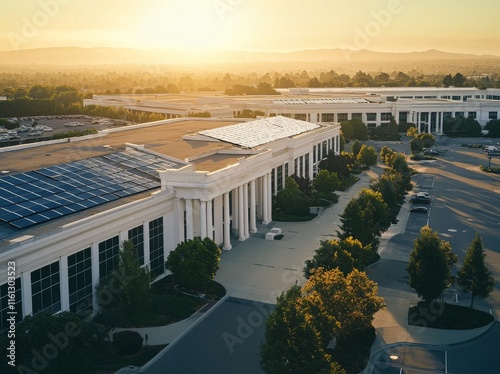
[(58, 265), (424, 106)]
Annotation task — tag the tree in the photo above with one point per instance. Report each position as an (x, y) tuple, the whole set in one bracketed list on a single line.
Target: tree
[(458, 80), (393, 186), (474, 277), (325, 183), (291, 200), (67, 339), (292, 344), (127, 305), (346, 255), (430, 264), (194, 262), (493, 128), (356, 147), (462, 127), (339, 164), (367, 156), (354, 129), (340, 305), (365, 218)]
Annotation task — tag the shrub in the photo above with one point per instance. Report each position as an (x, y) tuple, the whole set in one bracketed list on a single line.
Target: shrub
[(128, 342)]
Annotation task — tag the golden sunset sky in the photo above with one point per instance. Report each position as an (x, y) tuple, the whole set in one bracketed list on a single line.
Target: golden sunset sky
[(254, 25)]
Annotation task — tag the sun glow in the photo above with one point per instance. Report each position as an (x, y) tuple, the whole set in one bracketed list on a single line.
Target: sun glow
[(182, 26)]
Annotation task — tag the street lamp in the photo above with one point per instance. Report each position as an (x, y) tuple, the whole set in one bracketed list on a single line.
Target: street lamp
[(489, 161)]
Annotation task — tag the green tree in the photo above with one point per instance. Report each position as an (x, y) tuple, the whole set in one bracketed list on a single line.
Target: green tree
[(291, 200), (356, 147), (346, 255), (340, 305), (71, 340), (340, 164), (365, 218), (128, 288), (194, 262), (354, 129), (326, 183), (474, 277), (292, 344), (430, 265), (367, 156), (393, 186), (493, 128)]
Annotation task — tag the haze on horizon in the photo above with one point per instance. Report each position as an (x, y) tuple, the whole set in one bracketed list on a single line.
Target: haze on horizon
[(254, 25)]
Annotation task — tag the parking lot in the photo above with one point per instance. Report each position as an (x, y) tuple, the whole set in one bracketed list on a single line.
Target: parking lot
[(41, 127)]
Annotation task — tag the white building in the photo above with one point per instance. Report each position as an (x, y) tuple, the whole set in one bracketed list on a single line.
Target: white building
[(65, 207), (427, 107)]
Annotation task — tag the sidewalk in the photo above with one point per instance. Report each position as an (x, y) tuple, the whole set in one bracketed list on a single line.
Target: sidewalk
[(259, 270)]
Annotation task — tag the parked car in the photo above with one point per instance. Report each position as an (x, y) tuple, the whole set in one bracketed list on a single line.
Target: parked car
[(424, 194), (431, 152), (419, 209), (416, 199)]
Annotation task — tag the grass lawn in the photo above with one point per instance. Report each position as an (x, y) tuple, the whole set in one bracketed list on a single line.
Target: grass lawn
[(447, 316)]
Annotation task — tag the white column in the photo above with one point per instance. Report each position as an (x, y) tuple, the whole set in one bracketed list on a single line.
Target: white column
[(227, 238), (269, 200), (95, 274), (26, 294), (429, 121), (265, 197), (178, 221), (418, 123), (245, 210), (275, 180), (203, 219), (63, 278), (210, 225), (303, 171), (253, 223), (189, 219), (241, 217)]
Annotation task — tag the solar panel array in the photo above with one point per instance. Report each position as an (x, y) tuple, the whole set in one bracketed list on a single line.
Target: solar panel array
[(145, 162), (41, 195), (331, 100), (255, 133)]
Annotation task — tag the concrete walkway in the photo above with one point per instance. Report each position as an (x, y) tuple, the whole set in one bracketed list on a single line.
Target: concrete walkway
[(259, 269)]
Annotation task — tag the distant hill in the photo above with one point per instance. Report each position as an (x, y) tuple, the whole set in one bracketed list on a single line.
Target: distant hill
[(340, 60), (115, 56)]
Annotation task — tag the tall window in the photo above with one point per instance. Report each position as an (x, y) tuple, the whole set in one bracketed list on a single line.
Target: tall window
[(295, 167), (493, 115), (273, 176), (109, 252), (136, 236), (5, 307), (45, 289), (371, 116), (385, 117), (459, 114), (306, 156), (280, 177), (301, 116), (403, 117), (342, 117), (357, 116), (80, 281), (327, 117), (447, 115), (156, 256), (472, 115), (301, 165), (325, 149)]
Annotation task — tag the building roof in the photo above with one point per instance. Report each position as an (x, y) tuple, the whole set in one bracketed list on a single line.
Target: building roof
[(330, 100), (259, 132)]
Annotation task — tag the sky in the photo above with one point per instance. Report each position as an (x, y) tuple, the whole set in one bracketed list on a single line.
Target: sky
[(254, 25)]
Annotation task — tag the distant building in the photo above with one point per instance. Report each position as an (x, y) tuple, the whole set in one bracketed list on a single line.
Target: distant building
[(427, 107), (66, 207), (3, 98)]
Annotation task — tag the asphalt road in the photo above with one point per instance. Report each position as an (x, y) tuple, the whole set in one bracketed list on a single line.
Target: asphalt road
[(226, 341)]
